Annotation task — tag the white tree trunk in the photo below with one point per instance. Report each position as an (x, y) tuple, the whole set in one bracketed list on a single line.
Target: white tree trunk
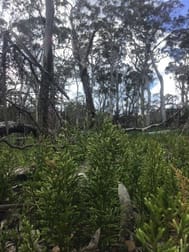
[(162, 97)]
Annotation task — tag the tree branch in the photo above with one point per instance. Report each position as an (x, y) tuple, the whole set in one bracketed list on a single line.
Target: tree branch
[(32, 60), (24, 111)]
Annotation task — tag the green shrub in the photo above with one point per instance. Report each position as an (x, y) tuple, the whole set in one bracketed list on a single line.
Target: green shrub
[(53, 194), (30, 237), (6, 164), (167, 226), (72, 190), (107, 161)]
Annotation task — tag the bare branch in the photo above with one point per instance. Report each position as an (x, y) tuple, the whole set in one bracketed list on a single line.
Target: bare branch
[(24, 111), (33, 61)]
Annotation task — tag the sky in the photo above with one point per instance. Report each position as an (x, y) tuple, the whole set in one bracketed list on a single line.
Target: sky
[(186, 3), (170, 84)]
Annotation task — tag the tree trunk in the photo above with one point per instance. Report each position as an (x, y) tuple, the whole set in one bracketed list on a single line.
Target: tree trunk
[(87, 90), (162, 97), (183, 93), (142, 103), (117, 97), (148, 106), (81, 57), (3, 87), (47, 75)]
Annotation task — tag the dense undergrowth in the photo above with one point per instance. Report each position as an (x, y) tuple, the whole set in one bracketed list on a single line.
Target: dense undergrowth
[(71, 190)]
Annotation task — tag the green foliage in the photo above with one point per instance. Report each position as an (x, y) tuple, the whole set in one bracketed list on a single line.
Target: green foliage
[(75, 141), (106, 155), (7, 234), (4, 176), (30, 237), (178, 151), (147, 169), (72, 189), (167, 226), (8, 161), (54, 195)]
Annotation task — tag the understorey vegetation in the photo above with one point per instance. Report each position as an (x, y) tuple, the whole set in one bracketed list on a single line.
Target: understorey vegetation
[(128, 190)]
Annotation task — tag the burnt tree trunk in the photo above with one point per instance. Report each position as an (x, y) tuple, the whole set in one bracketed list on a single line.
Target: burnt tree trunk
[(81, 56), (47, 75), (3, 87), (87, 90)]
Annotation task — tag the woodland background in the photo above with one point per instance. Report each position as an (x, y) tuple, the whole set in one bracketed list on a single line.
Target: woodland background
[(50, 49)]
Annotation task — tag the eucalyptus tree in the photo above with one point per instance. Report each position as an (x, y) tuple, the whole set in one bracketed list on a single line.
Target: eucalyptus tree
[(178, 49), (23, 35), (48, 67), (98, 48), (109, 53), (149, 23), (3, 75), (83, 30), (32, 45)]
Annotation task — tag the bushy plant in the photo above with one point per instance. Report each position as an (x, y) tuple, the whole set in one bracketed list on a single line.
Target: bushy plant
[(6, 163), (148, 169), (156, 171), (176, 149), (107, 161), (72, 190), (53, 194), (30, 237), (167, 226)]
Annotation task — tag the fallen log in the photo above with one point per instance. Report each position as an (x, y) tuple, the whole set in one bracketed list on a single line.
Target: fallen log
[(127, 219), (7, 128), (155, 125)]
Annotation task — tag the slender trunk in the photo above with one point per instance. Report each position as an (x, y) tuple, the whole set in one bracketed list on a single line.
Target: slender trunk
[(117, 96), (148, 106), (81, 58), (162, 97), (111, 90), (117, 99), (87, 90), (3, 87), (142, 101), (183, 100), (36, 108), (47, 75)]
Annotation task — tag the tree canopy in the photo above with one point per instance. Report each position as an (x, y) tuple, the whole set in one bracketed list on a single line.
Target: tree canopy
[(111, 50)]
